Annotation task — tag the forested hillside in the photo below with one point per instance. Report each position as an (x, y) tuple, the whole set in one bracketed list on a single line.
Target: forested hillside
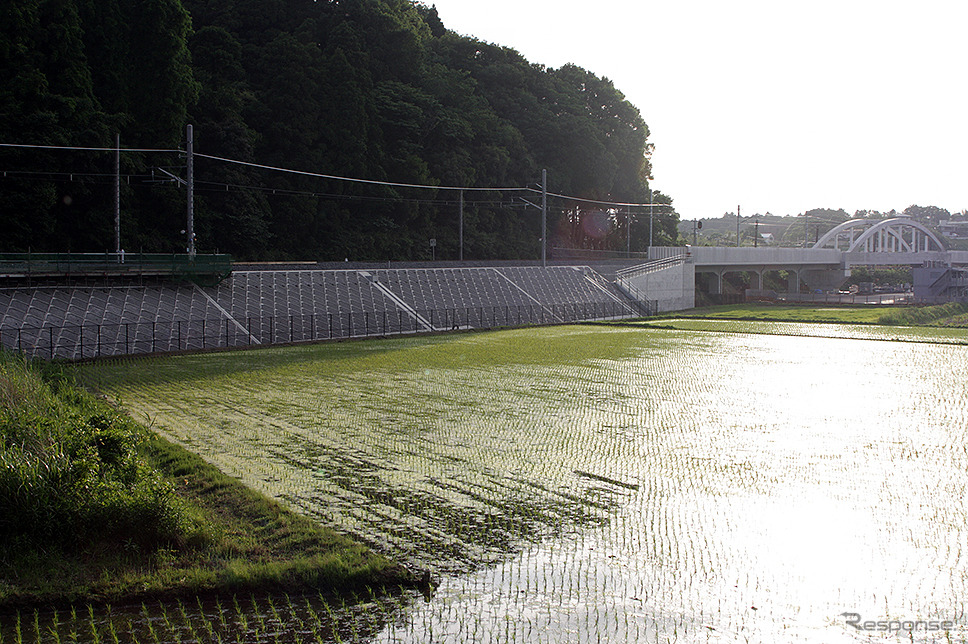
[(370, 89)]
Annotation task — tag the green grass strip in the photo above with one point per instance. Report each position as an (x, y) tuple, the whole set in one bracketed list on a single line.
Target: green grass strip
[(785, 313), (230, 539), (247, 542), (950, 314)]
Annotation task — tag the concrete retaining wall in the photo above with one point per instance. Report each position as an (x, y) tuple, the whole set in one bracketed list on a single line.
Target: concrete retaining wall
[(672, 288)]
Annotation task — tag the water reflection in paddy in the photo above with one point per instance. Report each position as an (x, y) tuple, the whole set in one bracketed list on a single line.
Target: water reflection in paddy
[(586, 484), (782, 482)]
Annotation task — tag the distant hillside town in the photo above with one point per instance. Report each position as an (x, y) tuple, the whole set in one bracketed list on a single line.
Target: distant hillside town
[(803, 230)]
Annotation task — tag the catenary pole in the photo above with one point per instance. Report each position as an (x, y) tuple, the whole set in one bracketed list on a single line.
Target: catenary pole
[(651, 217), (461, 225), (117, 195), (191, 192), (737, 226), (628, 231), (544, 217)]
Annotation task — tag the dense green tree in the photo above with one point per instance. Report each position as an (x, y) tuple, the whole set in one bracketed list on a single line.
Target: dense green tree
[(26, 206), (159, 75), (929, 215), (47, 98), (228, 218), (377, 90)]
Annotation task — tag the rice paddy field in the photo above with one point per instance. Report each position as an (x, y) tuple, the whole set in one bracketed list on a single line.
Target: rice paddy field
[(940, 335), (692, 481)]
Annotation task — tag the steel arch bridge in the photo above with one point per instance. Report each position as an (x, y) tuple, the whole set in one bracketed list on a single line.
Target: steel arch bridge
[(898, 235)]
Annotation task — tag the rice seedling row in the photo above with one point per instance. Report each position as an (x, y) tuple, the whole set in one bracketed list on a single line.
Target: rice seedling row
[(258, 619), (940, 335), (605, 484)]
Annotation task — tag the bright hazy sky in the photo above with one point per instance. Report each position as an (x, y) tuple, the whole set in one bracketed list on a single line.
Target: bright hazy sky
[(774, 105)]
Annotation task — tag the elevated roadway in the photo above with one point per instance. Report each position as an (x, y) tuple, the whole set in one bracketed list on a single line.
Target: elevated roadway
[(899, 241), (819, 268)]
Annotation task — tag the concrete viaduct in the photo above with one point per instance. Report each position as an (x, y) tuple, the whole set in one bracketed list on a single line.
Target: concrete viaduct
[(669, 279)]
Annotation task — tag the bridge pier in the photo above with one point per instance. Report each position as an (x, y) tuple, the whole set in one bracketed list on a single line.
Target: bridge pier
[(717, 275), (819, 268), (820, 278), (716, 283), (824, 280), (793, 280), (756, 279)]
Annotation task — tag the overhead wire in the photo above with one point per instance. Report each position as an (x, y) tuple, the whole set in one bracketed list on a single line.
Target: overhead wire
[(319, 175), (391, 184), (215, 186), (49, 174), (83, 149), (605, 203)]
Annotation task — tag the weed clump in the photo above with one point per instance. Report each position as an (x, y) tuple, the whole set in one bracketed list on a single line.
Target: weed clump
[(71, 475), (924, 314)]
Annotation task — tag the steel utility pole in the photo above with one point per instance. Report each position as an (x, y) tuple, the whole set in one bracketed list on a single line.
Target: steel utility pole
[(544, 218), (461, 231), (191, 193), (737, 226), (117, 196), (628, 231), (651, 212)]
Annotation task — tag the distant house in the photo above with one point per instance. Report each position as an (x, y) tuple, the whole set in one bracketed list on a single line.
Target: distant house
[(953, 229), (767, 238)]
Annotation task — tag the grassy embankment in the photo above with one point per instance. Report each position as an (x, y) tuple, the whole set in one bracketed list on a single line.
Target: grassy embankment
[(95, 507), (951, 314)]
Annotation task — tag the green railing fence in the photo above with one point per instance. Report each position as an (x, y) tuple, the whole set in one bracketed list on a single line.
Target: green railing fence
[(75, 342), (204, 268)]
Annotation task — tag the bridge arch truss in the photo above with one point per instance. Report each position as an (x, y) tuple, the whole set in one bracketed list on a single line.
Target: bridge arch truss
[(898, 235)]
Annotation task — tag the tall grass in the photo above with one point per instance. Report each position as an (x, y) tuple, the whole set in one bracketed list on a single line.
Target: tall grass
[(70, 472), (95, 507), (924, 314)]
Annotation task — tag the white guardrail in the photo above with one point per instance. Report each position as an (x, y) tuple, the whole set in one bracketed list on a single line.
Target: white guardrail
[(650, 267)]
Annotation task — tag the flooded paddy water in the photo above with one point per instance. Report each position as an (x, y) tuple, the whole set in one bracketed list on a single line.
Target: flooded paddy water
[(597, 484)]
